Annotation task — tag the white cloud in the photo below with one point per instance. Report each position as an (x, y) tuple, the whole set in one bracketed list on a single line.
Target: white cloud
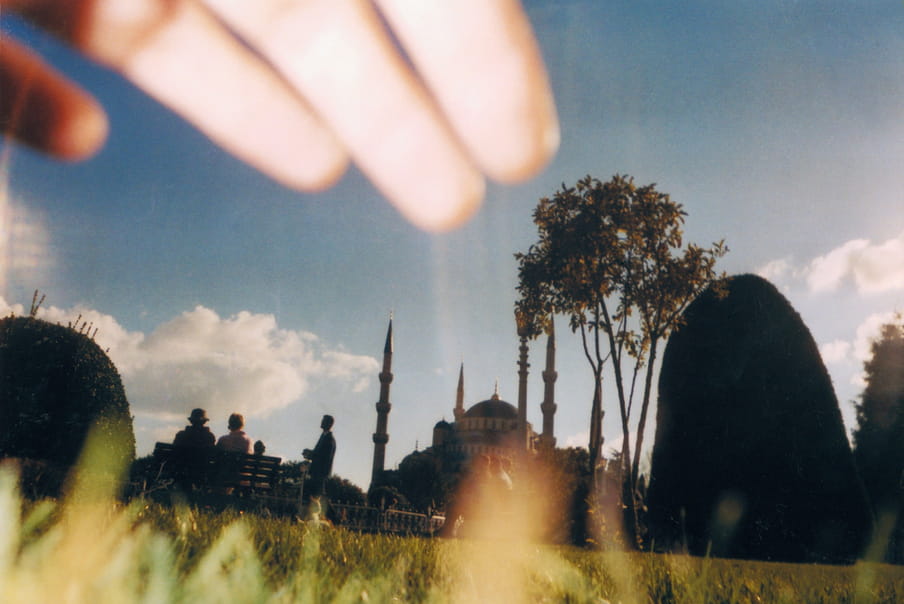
[(835, 352), (7, 309), (610, 446), (243, 363), (860, 350), (24, 243), (577, 440), (776, 270), (868, 332), (827, 272), (874, 268)]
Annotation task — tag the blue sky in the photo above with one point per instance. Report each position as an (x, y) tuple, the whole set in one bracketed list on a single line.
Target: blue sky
[(778, 125)]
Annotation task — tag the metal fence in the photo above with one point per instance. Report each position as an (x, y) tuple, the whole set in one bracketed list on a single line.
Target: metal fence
[(376, 520)]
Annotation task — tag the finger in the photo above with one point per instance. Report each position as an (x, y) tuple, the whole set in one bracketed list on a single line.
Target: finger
[(336, 52), (42, 109), (182, 55), (482, 63)]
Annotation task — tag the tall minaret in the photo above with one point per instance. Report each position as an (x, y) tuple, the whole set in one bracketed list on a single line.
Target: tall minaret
[(381, 437), (522, 382), (548, 407), (460, 394)]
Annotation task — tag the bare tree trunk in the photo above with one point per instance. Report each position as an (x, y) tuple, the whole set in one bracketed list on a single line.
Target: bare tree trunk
[(596, 426), (641, 426)]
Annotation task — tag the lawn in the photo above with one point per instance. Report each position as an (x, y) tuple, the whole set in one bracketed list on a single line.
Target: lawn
[(91, 549)]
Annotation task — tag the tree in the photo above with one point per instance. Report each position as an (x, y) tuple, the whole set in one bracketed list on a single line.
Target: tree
[(878, 437), (751, 459), (56, 385), (423, 482), (610, 257), (564, 476), (341, 490)]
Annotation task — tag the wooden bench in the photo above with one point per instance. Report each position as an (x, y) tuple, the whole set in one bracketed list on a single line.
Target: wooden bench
[(209, 474)]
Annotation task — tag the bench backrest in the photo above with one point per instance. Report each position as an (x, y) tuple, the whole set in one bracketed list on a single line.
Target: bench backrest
[(213, 467)]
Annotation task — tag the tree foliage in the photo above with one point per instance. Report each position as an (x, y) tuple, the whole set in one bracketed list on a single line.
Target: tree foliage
[(751, 459), (55, 385), (611, 257), (423, 482), (879, 435), (342, 490), (564, 475)]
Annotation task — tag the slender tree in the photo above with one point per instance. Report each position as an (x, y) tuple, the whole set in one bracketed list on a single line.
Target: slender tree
[(610, 257)]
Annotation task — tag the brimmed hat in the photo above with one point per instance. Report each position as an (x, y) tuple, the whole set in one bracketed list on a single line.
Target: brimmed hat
[(198, 415)]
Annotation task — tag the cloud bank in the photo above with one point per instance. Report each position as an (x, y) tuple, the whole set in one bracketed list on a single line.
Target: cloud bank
[(243, 363), (874, 268)]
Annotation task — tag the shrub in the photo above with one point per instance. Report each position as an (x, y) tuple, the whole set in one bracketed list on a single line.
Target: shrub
[(751, 456), (55, 385)]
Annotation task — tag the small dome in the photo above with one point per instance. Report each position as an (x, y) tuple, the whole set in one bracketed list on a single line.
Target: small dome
[(442, 425), (493, 408)]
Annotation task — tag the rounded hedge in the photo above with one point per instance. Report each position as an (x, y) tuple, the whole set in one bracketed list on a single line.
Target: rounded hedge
[(751, 457), (55, 385)]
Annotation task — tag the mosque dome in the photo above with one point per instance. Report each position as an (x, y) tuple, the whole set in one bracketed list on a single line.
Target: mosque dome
[(442, 425), (494, 408)]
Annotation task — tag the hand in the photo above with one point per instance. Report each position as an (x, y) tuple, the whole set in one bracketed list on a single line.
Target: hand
[(309, 84)]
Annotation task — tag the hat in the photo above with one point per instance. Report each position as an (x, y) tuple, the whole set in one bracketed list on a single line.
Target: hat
[(198, 415)]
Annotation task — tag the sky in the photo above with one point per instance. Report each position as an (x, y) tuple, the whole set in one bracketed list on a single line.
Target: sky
[(779, 125)]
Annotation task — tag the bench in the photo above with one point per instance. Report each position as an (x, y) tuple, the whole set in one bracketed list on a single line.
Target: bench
[(211, 475)]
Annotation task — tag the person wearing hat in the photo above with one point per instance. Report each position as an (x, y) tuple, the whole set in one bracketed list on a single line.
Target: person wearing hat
[(196, 434)]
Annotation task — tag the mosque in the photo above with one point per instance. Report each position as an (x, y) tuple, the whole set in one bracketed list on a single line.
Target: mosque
[(492, 427)]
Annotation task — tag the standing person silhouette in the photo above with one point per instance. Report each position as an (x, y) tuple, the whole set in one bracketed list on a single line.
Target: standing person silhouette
[(321, 458)]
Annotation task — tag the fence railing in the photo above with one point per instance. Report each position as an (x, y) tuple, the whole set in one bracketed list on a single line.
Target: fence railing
[(375, 520)]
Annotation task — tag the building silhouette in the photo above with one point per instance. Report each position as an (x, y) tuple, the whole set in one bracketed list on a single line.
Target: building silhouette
[(489, 427)]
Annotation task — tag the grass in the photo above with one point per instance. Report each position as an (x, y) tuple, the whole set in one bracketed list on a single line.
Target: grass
[(89, 548)]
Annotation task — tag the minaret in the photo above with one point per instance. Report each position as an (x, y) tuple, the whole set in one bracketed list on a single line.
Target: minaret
[(381, 437), (548, 407), (460, 394), (522, 382)]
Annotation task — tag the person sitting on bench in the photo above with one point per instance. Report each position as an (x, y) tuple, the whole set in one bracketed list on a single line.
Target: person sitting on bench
[(236, 440), (190, 451), (196, 434)]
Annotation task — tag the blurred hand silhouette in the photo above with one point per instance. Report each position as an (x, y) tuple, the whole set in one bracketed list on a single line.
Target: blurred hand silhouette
[(426, 97)]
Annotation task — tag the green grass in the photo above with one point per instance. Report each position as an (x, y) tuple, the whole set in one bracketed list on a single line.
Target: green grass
[(90, 549)]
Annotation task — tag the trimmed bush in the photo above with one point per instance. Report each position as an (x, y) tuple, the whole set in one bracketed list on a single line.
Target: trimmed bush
[(55, 384), (751, 457)]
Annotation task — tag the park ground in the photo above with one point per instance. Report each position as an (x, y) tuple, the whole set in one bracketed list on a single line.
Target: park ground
[(92, 548)]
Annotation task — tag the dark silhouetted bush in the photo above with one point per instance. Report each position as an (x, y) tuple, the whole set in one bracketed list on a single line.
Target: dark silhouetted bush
[(340, 490), (879, 436), (751, 457), (55, 383)]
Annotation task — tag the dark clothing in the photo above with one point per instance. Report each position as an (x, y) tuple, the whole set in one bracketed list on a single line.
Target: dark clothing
[(193, 460), (195, 436), (322, 462)]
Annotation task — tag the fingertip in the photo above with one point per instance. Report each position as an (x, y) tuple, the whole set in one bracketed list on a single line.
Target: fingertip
[(529, 151), (43, 109), (321, 173), (82, 131), (444, 212)]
